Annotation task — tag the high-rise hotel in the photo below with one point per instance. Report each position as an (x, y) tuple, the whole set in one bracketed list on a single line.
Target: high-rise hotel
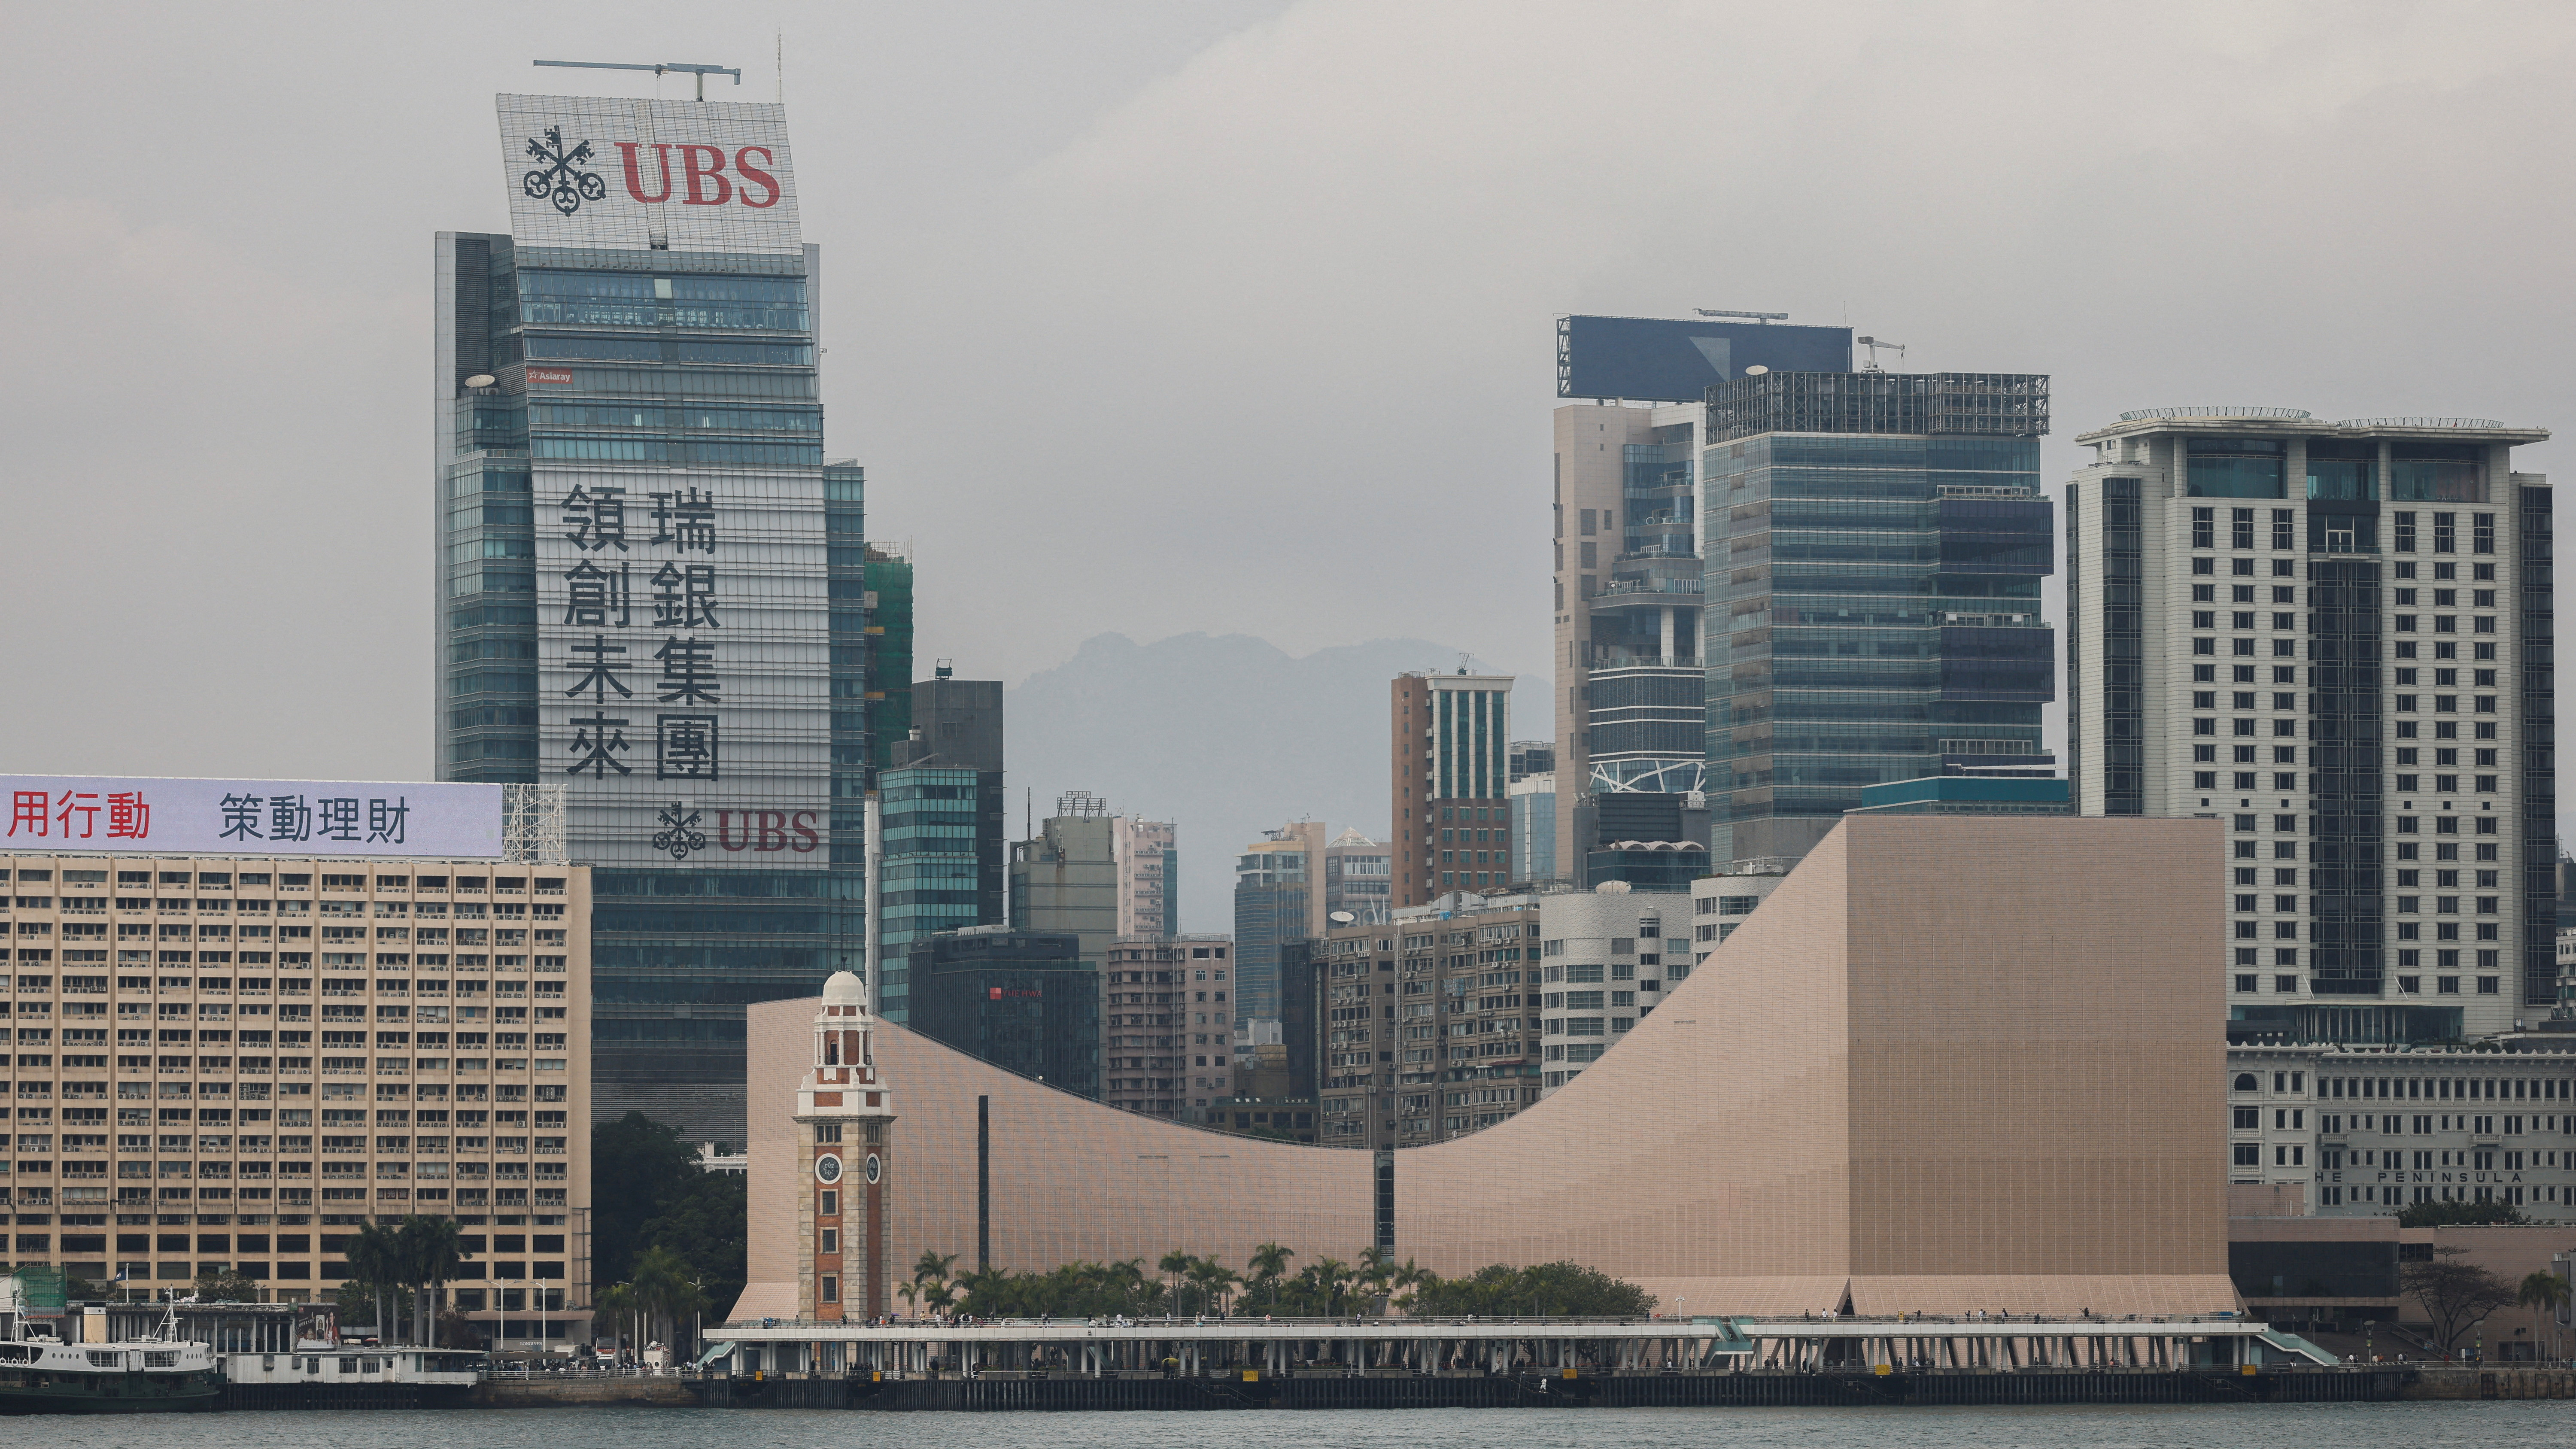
[(2335, 638), (651, 587)]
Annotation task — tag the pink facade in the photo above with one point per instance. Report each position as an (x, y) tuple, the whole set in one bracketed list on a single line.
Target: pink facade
[(1953, 1063)]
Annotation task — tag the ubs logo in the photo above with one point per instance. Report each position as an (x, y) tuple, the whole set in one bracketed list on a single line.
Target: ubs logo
[(702, 175), (561, 178)]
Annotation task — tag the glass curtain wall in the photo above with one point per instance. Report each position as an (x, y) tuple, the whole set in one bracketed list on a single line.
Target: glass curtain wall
[(1873, 607)]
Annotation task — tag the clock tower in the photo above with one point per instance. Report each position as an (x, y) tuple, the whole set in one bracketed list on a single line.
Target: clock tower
[(844, 1117)]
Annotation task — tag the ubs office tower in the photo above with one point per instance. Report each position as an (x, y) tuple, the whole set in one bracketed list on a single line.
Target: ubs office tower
[(649, 581)]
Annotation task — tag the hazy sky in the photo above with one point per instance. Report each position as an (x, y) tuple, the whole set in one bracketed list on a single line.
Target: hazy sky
[(1192, 315)]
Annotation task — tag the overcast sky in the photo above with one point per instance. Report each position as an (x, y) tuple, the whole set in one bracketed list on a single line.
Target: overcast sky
[(1192, 315)]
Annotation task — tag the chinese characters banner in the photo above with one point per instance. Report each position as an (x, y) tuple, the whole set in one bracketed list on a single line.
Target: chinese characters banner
[(83, 814), (684, 664)]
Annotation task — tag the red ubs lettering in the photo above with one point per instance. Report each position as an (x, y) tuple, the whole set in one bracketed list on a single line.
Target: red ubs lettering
[(702, 175), (767, 831)]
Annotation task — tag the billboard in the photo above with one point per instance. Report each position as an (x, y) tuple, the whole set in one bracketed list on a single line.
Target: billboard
[(1662, 359), (148, 815), (691, 176)]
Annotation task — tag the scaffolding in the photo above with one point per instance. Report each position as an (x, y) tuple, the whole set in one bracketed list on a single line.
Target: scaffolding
[(1989, 404), (532, 824)]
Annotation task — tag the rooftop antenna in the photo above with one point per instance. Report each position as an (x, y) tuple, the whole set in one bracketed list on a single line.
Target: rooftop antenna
[(700, 71), (1763, 317), (1873, 344)]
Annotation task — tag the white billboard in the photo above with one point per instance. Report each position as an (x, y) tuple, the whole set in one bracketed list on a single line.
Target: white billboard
[(149, 815), (684, 664), (691, 176)]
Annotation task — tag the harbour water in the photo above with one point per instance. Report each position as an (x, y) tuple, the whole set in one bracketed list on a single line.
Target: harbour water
[(2526, 1425)]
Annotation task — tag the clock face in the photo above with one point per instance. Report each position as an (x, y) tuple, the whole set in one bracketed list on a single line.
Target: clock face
[(827, 1168), (876, 1169)]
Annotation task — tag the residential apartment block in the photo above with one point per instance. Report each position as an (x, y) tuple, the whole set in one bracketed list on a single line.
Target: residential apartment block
[(1429, 1025), (2334, 637), (233, 1064), (1606, 958), (1167, 1026)]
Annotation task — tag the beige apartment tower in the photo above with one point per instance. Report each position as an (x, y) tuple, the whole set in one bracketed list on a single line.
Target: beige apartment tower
[(232, 1065)]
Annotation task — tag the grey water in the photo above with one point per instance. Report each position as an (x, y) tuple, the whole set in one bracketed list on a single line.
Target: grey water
[(2538, 1424)]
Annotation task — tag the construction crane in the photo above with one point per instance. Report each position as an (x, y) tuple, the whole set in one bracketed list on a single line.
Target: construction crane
[(1874, 345)]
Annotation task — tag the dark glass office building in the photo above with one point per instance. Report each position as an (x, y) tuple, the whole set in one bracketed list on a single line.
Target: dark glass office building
[(651, 587), (1875, 545), (1025, 1001)]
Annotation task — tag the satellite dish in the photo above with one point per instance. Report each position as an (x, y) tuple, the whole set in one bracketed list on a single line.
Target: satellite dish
[(1342, 918), (481, 379), (1756, 370)]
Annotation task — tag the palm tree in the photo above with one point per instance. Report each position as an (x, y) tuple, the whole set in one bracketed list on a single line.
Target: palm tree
[(910, 1293), (1409, 1278), (1333, 1278), (932, 1266), (375, 1260), (1176, 1263), (1211, 1278), (429, 1251), (664, 1290), (1268, 1265), (1377, 1268), (2545, 1292)]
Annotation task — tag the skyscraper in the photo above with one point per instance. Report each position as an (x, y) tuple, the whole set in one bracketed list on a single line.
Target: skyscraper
[(1532, 786), (943, 840), (644, 567), (1449, 765), (2333, 636), (1149, 876), (886, 648), (1629, 707), (1875, 547), (1065, 879), (1278, 898)]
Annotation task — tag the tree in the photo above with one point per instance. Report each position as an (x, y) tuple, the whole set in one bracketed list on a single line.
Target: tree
[(1269, 1264), (705, 1225), (1175, 1263), (2461, 1214), (427, 1252), (2544, 1292), (638, 1169), (1548, 1290), (2453, 1294), (376, 1267), (226, 1286), (666, 1291)]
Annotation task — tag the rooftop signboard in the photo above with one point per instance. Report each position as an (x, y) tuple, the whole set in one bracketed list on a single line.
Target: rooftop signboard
[(148, 815), (1665, 359)]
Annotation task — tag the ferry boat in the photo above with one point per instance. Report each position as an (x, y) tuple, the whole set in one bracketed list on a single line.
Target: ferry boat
[(41, 1374), (328, 1374)]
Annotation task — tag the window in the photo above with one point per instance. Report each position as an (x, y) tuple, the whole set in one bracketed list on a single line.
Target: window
[(2249, 1119), (2249, 1154)]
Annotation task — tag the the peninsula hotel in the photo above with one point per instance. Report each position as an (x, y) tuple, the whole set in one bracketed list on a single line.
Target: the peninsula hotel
[(232, 1063)]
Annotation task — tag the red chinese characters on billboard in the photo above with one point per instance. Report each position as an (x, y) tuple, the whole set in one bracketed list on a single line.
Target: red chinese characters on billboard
[(75, 816)]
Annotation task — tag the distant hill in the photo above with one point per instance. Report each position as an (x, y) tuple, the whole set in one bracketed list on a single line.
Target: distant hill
[(1226, 735)]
